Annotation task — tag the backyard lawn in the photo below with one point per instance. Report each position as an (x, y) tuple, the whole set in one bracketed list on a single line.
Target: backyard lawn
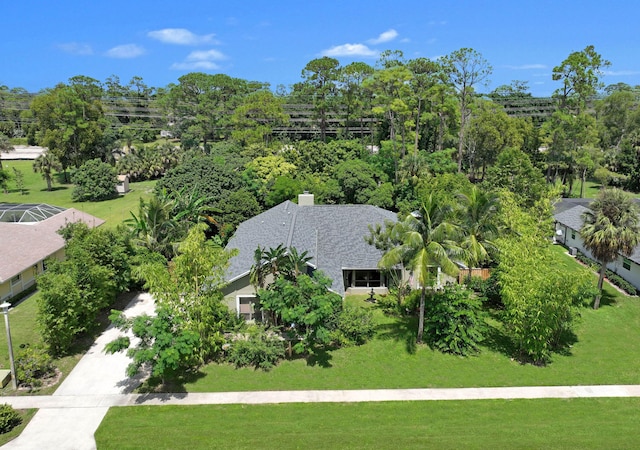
[(545, 423), (114, 211)]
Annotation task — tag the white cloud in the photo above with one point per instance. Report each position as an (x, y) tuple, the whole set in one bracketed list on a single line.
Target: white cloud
[(126, 51), (620, 73), (195, 65), (201, 59), (76, 48), (387, 36), (526, 67), (349, 50), (181, 36)]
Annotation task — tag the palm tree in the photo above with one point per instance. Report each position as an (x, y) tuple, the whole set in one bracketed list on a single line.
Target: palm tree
[(5, 146), (154, 227), (46, 163), (612, 226), (428, 241), (478, 210)]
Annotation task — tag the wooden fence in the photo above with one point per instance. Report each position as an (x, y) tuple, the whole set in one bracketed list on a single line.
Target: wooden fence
[(467, 273)]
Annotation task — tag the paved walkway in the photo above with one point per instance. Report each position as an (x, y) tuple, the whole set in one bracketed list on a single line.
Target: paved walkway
[(68, 418)]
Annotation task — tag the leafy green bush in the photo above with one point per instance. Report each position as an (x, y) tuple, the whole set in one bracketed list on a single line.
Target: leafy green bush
[(454, 321), (487, 290), (32, 365), (256, 347), (9, 418), (355, 326), (94, 181)]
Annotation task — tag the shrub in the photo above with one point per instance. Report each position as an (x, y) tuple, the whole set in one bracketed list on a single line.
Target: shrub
[(94, 181), (256, 347), (355, 326), (613, 278), (9, 418), (487, 290), (32, 365), (454, 321)]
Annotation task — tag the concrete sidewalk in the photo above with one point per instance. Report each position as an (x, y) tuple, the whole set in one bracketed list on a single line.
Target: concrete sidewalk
[(321, 396)]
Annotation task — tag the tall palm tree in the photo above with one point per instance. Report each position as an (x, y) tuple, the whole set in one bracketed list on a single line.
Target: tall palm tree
[(477, 213), (611, 227), (46, 163), (428, 241)]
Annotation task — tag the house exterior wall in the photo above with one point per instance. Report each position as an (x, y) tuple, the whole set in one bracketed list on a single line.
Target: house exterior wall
[(26, 278), (238, 288), (571, 238)]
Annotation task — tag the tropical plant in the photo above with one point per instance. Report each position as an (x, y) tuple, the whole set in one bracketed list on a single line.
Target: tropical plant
[(478, 215), (611, 227), (45, 164), (429, 242)]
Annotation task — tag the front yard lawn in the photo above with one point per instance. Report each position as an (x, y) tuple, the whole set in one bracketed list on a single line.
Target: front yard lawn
[(545, 423)]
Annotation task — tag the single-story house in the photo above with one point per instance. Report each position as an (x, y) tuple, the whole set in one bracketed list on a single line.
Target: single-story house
[(332, 235), (28, 237), (568, 222)]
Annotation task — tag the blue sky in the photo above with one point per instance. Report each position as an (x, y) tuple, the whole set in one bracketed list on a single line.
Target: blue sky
[(45, 42)]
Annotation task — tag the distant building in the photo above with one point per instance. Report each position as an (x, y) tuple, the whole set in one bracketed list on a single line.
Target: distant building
[(123, 184), (28, 236)]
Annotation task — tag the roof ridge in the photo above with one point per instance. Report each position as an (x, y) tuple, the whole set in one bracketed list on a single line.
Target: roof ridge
[(291, 228)]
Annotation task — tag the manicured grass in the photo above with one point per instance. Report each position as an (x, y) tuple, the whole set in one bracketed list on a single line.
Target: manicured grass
[(24, 330), (607, 351), (546, 423), (591, 189), (114, 211)]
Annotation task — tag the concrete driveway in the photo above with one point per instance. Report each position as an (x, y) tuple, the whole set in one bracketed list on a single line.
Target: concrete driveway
[(97, 373)]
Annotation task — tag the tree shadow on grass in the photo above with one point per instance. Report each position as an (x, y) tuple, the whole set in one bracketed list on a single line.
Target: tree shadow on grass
[(607, 299), (54, 188), (321, 358), (402, 329)]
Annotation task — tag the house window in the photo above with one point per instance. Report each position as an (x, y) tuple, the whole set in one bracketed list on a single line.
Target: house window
[(15, 280), (249, 308), (363, 278), (626, 263), (573, 234)]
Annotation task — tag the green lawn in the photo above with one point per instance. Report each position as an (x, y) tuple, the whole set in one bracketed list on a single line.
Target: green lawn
[(546, 423), (26, 417), (113, 211), (591, 189)]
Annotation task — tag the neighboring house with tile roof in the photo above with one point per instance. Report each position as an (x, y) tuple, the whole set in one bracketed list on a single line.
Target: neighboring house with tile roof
[(332, 235), (28, 236), (568, 222)]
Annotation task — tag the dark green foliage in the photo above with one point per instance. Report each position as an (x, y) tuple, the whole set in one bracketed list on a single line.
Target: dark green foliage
[(305, 306), (454, 321), (212, 176), (241, 205), (487, 290), (284, 188), (164, 344), (94, 181), (256, 347), (150, 162), (4, 180), (9, 418), (73, 291), (354, 326), (32, 365)]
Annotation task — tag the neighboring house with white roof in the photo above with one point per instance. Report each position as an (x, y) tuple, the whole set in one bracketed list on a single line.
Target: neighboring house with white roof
[(28, 236), (568, 222), (332, 235)]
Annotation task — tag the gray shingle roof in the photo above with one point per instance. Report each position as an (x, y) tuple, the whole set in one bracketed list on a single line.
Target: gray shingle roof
[(333, 235), (572, 218)]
